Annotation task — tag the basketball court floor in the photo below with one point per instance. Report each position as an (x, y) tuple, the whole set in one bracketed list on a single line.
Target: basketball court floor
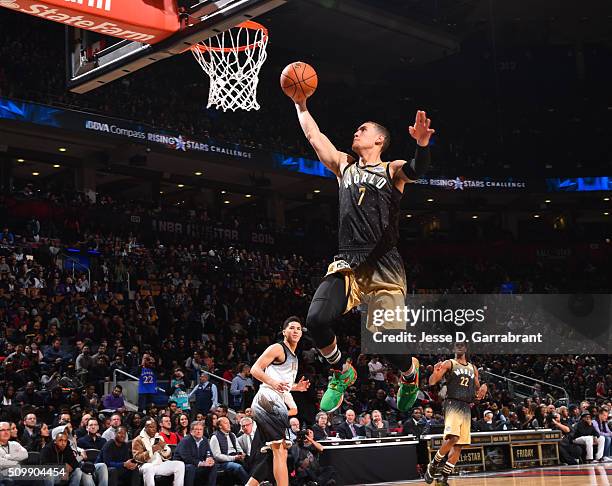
[(584, 475)]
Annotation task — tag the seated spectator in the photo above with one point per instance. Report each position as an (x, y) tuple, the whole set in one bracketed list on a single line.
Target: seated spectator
[(349, 428), (181, 425), (117, 454), (30, 396), (115, 422), (304, 457), (134, 424), (165, 431), (486, 424), (54, 352), (12, 453), (378, 427), (114, 401), (320, 429), (82, 430), (41, 438), (601, 426), (414, 425), (227, 453), (150, 450), (29, 430), (194, 450), (245, 439), (586, 435), (294, 427), (58, 452), (92, 439)]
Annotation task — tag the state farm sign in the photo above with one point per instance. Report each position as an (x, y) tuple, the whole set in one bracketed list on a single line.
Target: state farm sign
[(135, 20)]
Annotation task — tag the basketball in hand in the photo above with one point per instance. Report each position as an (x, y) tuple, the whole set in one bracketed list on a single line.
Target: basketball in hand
[(299, 80)]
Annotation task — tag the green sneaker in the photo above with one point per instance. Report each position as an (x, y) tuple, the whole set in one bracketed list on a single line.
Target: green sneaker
[(332, 399), (408, 391)]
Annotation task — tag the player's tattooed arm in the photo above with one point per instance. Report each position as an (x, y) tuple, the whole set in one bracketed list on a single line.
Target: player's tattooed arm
[(331, 157), (440, 369)]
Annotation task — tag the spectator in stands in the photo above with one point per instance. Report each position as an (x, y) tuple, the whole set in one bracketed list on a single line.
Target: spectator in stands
[(12, 453), (321, 429), (14, 432), (84, 360), (380, 402), (58, 452), (349, 429), (377, 372), (181, 425), (114, 401), (307, 470), (210, 424), (245, 439), (147, 383), (134, 424), (227, 452), (194, 450), (414, 425), (294, 427), (241, 388), (165, 431), (601, 426), (29, 429), (486, 424), (378, 427), (586, 435), (92, 440), (206, 396), (41, 438), (149, 449), (82, 430), (116, 453), (115, 423), (54, 352)]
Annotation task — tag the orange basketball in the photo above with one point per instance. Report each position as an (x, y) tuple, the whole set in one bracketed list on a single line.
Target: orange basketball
[(299, 80)]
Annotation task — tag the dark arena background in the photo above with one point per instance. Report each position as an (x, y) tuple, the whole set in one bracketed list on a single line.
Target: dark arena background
[(152, 246)]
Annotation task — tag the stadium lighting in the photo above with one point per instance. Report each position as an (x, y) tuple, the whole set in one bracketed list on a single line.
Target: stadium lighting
[(223, 192), (409, 215), (56, 166), (548, 201), (474, 216), (63, 149), (161, 192), (198, 173), (536, 216), (317, 191), (180, 186), (606, 213), (20, 160), (248, 195), (35, 173), (606, 199), (430, 199), (226, 202)]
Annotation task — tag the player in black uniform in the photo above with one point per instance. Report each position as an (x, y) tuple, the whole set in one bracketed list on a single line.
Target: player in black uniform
[(462, 388), (368, 268)]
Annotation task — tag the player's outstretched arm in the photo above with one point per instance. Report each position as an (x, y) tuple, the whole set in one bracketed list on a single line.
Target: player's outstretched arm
[(403, 171), (440, 369), (331, 157)]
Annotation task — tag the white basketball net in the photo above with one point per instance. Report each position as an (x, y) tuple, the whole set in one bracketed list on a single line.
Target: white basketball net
[(232, 60)]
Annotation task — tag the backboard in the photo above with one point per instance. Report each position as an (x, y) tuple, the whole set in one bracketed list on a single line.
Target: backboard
[(94, 59)]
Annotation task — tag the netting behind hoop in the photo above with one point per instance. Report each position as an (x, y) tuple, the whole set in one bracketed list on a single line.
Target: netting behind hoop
[(232, 60)]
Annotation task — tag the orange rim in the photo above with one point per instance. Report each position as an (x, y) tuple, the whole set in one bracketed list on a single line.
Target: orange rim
[(247, 24)]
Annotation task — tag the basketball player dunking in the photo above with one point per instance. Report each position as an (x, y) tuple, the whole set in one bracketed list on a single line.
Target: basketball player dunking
[(462, 388), (369, 268)]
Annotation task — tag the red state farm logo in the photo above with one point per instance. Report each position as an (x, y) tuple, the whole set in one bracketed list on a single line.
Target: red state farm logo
[(99, 4)]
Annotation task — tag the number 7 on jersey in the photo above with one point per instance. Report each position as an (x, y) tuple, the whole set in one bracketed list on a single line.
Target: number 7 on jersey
[(362, 192)]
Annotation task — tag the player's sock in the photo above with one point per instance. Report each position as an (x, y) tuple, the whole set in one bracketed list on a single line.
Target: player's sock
[(448, 469), (437, 460), (408, 376), (334, 357)]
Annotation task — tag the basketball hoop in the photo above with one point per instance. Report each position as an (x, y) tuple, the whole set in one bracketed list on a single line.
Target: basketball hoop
[(232, 60)]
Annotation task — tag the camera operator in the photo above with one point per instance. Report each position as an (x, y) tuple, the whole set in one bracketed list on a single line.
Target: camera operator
[(303, 456)]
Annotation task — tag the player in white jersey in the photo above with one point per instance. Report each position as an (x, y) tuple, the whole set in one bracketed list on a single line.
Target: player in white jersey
[(277, 369)]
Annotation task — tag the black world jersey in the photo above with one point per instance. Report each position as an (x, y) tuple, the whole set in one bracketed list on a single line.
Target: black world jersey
[(369, 208), (461, 382)]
